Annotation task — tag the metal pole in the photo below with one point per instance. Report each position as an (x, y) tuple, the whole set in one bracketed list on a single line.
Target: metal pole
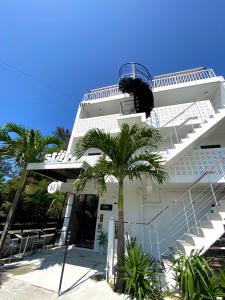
[(214, 195), (64, 262), (185, 212), (193, 211), (157, 237)]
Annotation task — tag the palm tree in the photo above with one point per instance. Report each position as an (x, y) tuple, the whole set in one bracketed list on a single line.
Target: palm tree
[(63, 134), (121, 159), (20, 146)]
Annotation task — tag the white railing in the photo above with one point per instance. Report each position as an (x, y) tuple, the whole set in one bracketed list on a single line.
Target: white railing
[(184, 123), (184, 213), (159, 81), (104, 92), (183, 76), (196, 162)]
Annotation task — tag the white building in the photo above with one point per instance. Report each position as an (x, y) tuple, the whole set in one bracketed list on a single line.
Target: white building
[(187, 212)]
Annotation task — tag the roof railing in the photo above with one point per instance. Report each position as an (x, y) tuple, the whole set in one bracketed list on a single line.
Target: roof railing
[(158, 81)]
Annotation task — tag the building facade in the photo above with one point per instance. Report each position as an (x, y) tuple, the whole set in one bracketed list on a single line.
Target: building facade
[(184, 213)]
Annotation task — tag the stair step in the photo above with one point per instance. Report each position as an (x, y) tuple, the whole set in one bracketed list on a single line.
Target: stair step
[(206, 224), (214, 216), (194, 240), (185, 247), (202, 231)]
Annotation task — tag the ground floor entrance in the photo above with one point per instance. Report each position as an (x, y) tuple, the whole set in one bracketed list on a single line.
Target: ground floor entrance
[(83, 220)]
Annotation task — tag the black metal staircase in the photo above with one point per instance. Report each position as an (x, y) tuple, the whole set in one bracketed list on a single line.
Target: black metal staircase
[(135, 79)]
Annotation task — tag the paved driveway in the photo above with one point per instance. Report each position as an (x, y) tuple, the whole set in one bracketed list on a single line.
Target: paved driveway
[(38, 277)]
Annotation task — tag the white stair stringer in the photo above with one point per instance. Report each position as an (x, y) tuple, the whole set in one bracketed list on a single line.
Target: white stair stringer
[(209, 230), (212, 121)]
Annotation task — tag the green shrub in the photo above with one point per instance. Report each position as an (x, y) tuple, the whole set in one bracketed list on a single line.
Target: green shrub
[(194, 277), (139, 274)]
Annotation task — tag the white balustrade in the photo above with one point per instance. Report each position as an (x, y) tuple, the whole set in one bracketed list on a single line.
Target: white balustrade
[(183, 76), (159, 81), (105, 92)]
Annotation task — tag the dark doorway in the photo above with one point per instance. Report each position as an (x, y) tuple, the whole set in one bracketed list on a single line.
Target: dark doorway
[(83, 220)]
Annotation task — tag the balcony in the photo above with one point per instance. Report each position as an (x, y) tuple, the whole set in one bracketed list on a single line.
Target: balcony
[(158, 81)]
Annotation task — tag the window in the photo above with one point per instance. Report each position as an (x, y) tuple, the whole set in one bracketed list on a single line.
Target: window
[(210, 146)]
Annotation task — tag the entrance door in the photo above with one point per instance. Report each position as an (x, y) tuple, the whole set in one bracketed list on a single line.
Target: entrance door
[(83, 220)]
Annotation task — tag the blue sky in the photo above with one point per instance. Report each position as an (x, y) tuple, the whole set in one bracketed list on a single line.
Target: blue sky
[(71, 46)]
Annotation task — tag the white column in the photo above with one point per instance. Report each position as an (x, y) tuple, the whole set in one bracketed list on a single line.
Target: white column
[(66, 219)]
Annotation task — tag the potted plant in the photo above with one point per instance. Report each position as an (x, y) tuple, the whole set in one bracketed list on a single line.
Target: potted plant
[(102, 242)]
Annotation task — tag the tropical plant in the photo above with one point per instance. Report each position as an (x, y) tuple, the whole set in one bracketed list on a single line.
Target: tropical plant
[(194, 277), (63, 134), (120, 158), (102, 238), (217, 285), (21, 146), (140, 274)]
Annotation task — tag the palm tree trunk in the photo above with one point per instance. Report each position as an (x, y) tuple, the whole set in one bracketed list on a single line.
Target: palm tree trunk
[(120, 241), (12, 210)]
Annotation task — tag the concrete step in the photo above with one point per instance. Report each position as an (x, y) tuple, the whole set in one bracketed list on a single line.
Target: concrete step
[(214, 216), (185, 247), (201, 231), (194, 240)]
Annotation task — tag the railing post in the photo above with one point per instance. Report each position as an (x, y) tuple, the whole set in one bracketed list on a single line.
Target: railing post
[(171, 140), (214, 195), (185, 212), (150, 236), (199, 111), (175, 131), (110, 250), (196, 224), (157, 239)]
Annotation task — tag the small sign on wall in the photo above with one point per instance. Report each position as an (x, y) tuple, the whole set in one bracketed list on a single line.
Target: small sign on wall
[(106, 207)]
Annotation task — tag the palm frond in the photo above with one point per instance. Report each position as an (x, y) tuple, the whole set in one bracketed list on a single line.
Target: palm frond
[(96, 174), (149, 163), (12, 127), (98, 139)]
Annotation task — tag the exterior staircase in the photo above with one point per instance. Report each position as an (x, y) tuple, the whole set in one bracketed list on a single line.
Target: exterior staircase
[(197, 133), (194, 221), (216, 254), (180, 137), (209, 230)]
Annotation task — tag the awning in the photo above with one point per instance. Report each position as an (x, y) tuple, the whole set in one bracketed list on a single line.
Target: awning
[(61, 171)]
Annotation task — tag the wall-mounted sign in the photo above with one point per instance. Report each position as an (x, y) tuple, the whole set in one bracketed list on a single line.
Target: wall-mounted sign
[(61, 156), (53, 187), (106, 207)]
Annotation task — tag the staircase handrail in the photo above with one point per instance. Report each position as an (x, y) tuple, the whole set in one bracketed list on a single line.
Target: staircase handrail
[(196, 101), (174, 118), (210, 171)]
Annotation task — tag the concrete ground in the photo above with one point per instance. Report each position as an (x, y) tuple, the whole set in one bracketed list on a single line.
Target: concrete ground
[(38, 277)]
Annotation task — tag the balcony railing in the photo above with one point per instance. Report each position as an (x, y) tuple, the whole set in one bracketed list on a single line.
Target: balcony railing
[(183, 76), (104, 92), (159, 81)]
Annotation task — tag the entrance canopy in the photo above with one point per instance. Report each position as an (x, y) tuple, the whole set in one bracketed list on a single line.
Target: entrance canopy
[(61, 171), (62, 166)]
